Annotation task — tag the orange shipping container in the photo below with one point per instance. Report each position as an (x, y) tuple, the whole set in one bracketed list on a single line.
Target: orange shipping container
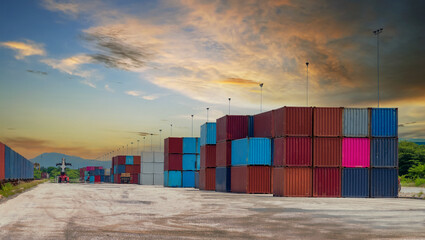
[(210, 179), (297, 182), (278, 181), (251, 179), (327, 151), (137, 160), (327, 122)]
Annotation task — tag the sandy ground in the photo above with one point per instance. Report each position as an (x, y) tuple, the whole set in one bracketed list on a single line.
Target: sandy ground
[(107, 211)]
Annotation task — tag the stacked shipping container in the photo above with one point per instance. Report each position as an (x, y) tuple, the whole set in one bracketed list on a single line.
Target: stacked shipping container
[(152, 168), (92, 174), (207, 157), (126, 164), (14, 166)]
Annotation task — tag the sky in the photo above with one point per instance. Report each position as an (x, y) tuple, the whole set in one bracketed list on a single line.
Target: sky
[(87, 78)]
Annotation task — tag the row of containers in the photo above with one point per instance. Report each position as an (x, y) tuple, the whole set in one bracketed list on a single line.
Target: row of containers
[(94, 174), (13, 166), (181, 161), (303, 151), (126, 165)]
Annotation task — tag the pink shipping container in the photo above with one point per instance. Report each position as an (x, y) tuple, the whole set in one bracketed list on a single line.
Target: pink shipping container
[(297, 151), (326, 182), (224, 154), (231, 127), (263, 124), (355, 152)]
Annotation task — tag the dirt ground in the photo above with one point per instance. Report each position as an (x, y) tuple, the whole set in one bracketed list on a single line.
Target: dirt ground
[(108, 211)]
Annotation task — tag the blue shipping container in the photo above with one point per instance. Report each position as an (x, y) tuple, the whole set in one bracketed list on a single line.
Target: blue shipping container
[(384, 152), (356, 122), (197, 179), (6, 162), (198, 145), (120, 169), (188, 179), (198, 162), (189, 162), (91, 178), (208, 134), (355, 182), (165, 178), (251, 151), (384, 182), (222, 179), (174, 178), (102, 178), (190, 145), (129, 160), (384, 122)]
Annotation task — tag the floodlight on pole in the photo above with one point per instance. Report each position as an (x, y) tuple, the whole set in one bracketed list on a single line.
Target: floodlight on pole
[(307, 81), (261, 99), (160, 130), (207, 113), (144, 143), (127, 149), (192, 124), (131, 148), (377, 32), (171, 134), (151, 142), (138, 150), (229, 105)]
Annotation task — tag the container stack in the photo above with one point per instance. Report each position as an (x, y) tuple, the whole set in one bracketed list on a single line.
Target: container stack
[(14, 166), (127, 165), (191, 151), (207, 157), (152, 168), (92, 174)]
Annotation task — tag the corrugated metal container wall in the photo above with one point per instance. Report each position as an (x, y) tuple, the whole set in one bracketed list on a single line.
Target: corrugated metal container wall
[(327, 182), (189, 145), (251, 151), (189, 162), (208, 134), (224, 154), (166, 162), (251, 179), (327, 151), (188, 179), (2, 153), (297, 182), (298, 121), (384, 152), (121, 160), (198, 162), (137, 160), (222, 179), (278, 181), (231, 127), (384, 182), (174, 178), (129, 160), (175, 162), (327, 122), (202, 179), (279, 152), (250, 126), (173, 145), (208, 156), (165, 178), (263, 125), (355, 182), (384, 122), (210, 179), (7, 157), (356, 122), (278, 122), (197, 179), (298, 151), (355, 152)]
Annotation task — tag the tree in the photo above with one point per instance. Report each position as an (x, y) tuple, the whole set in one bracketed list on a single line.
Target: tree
[(410, 154)]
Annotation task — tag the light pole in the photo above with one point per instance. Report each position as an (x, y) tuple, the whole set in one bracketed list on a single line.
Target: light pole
[(261, 100), (127, 149), (151, 142), (229, 105), (377, 32), (138, 150), (144, 143), (160, 130), (192, 124), (307, 81), (207, 113), (132, 148), (171, 134)]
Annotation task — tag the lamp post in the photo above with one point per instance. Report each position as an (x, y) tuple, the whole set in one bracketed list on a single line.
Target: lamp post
[(171, 134), (151, 142), (138, 150), (192, 124), (160, 130), (229, 105), (377, 32), (307, 81), (207, 113), (261, 99), (132, 148), (144, 143)]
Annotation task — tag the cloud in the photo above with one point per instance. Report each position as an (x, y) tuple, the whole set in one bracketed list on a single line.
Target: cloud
[(150, 97), (109, 89), (25, 49), (238, 81), (65, 7), (134, 93), (72, 65), (37, 72)]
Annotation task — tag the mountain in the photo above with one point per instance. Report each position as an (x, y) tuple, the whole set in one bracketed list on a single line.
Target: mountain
[(50, 159)]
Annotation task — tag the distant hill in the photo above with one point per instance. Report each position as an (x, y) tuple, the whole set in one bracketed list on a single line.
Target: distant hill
[(50, 159)]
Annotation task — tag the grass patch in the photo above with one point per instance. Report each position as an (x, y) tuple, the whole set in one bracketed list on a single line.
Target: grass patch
[(8, 189)]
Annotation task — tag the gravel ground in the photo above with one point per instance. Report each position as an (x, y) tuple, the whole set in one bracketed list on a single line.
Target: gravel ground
[(108, 211)]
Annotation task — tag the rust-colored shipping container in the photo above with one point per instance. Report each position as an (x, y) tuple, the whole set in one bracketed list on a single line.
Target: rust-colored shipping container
[(327, 121), (327, 151), (134, 178), (279, 152), (292, 121), (117, 178), (251, 179), (210, 179), (137, 160), (297, 182), (202, 179), (326, 182), (120, 160), (132, 169), (175, 162), (173, 145), (298, 151), (263, 126), (208, 156), (231, 127), (224, 154), (2, 171), (278, 181)]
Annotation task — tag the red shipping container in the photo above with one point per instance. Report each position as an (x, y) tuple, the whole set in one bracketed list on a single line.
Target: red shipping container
[(231, 127), (327, 151), (134, 178), (292, 121), (297, 182), (297, 151), (2, 173), (97, 178), (279, 152), (251, 179), (137, 160), (224, 154), (173, 145), (263, 126), (327, 182), (327, 122), (117, 178), (133, 169), (175, 162), (121, 160), (210, 179), (278, 181), (208, 156), (202, 179)]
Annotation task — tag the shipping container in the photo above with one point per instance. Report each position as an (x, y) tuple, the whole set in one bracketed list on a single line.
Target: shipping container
[(384, 182), (384, 152), (251, 179), (279, 152), (278, 179), (97, 178), (189, 162), (355, 182), (2, 153), (384, 122), (231, 127), (166, 162), (356, 122), (208, 134), (297, 151), (174, 178), (175, 162), (202, 179), (210, 179), (327, 151), (251, 151), (134, 178), (224, 154), (133, 169), (120, 160), (118, 169), (250, 126), (190, 145), (129, 160), (208, 156), (263, 125), (198, 162), (188, 179), (293, 121), (355, 152), (327, 121), (327, 182), (137, 160), (165, 179), (222, 179), (158, 178), (197, 179), (297, 182), (146, 179), (173, 145)]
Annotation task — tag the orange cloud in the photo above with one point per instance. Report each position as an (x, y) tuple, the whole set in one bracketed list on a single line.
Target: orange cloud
[(25, 49), (239, 82)]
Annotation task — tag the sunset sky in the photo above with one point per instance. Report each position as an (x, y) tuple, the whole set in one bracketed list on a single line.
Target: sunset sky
[(87, 77)]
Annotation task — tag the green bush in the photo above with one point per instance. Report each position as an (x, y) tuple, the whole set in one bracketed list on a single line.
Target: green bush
[(419, 182)]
